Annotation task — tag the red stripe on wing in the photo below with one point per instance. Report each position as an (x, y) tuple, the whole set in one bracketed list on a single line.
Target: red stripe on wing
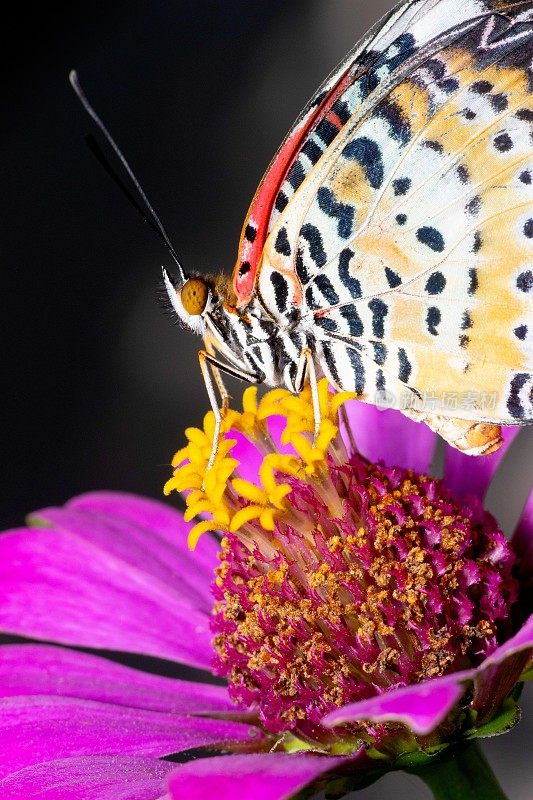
[(249, 256)]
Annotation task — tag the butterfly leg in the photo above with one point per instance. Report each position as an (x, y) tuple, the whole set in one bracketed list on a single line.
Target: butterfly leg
[(306, 372), (211, 368)]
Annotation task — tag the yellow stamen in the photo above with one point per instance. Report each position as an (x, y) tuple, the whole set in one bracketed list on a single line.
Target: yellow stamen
[(245, 515), (249, 491), (199, 529), (217, 493)]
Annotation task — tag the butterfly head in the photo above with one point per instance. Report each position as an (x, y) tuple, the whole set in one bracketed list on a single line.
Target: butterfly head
[(190, 299)]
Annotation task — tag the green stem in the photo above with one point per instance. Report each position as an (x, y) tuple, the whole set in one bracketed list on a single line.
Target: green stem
[(464, 774)]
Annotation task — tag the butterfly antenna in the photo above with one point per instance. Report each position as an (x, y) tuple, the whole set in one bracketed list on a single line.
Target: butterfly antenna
[(151, 217)]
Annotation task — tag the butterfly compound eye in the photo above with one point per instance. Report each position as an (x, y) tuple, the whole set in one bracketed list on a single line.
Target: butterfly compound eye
[(194, 296)]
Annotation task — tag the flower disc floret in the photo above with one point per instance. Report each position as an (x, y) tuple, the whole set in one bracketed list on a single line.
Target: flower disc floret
[(397, 584)]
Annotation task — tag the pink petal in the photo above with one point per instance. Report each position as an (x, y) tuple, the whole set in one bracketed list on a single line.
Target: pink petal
[(138, 546), (60, 588), (27, 669), (267, 776), (156, 518), (37, 729), (420, 707), (523, 539), (390, 436), (520, 641), (248, 456), (472, 474), (90, 778), (276, 425), (498, 674)]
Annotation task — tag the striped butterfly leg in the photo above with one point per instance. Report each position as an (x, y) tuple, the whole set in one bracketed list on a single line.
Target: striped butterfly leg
[(211, 368), (471, 438), (306, 372)]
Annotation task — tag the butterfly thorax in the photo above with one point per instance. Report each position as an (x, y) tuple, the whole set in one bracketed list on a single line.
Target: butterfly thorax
[(252, 339)]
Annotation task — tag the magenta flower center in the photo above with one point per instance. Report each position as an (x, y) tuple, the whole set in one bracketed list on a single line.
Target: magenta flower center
[(374, 578)]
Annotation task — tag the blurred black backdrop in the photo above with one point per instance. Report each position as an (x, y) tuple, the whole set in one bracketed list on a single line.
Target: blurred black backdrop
[(97, 385)]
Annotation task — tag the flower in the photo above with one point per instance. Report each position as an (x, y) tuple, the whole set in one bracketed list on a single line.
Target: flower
[(113, 573)]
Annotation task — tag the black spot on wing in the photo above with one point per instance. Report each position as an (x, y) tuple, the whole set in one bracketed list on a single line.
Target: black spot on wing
[(343, 213), (281, 244), (250, 233), (521, 332), (503, 143), (367, 153), (436, 67), (514, 404), (401, 219), (473, 206), (482, 87), (310, 299), (324, 285), (318, 99), (326, 131), (466, 322), (528, 229), (403, 47), (406, 368), (379, 311), (342, 110), (380, 353), (296, 175), (393, 279), (301, 269), (312, 150), (431, 144), (499, 102), (464, 341), (281, 201), (355, 326), (449, 85), (331, 363), (358, 370), (391, 112), (281, 290), (431, 237), (463, 174), (436, 283), (473, 284), (524, 282), (525, 177), (313, 237), (433, 319), (525, 115), (347, 280), (478, 242), (326, 323), (401, 186), (245, 268)]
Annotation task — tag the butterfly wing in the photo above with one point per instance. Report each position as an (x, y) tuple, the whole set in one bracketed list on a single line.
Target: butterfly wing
[(372, 63), (411, 240)]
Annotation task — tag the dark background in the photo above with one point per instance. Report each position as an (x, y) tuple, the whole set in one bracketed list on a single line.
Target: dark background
[(97, 385)]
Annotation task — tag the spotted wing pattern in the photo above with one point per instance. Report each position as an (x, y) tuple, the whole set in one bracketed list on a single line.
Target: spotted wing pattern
[(408, 248), (410, 27)]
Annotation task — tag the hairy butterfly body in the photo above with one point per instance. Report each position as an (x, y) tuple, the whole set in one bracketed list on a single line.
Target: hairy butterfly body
[(390, 243)]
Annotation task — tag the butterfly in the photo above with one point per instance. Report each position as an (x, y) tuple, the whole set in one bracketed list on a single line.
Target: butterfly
[(389, 245)]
